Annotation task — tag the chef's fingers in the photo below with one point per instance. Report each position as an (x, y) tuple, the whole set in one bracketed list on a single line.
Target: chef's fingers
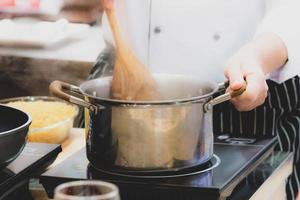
[(254, 95), (235, 76), (107, 4)]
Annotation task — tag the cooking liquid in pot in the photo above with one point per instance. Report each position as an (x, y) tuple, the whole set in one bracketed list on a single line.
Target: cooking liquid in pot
[(154, 138)]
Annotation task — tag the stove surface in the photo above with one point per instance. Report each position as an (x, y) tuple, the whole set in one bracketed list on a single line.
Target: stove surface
[(33, 160), (237, 161)]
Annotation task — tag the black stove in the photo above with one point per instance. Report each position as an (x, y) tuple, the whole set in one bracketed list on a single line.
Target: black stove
[(33, 160), (233, 162)]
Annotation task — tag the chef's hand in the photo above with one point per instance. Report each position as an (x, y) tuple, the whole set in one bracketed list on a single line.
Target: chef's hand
[(242, 69), (250, 65)]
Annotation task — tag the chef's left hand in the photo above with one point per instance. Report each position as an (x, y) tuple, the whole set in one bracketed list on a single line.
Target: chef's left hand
[(265, 54), (243, 68)]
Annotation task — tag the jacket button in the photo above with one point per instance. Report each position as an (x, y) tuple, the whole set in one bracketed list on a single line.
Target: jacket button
[(216, 37), (157, 30)]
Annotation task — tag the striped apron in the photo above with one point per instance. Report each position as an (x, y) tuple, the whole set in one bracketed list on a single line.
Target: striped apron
[(279, 116)]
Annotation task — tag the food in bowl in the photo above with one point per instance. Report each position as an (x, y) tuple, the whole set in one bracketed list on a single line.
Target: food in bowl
[(52, 118)]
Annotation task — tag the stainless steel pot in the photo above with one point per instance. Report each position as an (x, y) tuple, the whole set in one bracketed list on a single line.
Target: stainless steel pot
[(172, 133)]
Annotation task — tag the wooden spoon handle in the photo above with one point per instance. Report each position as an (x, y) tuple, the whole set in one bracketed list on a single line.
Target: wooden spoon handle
[(131, 79), (114, 25)]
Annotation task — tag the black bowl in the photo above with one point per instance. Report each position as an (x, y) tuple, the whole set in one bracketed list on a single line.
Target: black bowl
[(14, 125)]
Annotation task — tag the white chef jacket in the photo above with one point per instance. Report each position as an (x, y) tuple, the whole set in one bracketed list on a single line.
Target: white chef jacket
[(196, 37)]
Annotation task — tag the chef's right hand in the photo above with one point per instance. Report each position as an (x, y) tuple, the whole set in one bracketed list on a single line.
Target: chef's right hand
[(107, 4)]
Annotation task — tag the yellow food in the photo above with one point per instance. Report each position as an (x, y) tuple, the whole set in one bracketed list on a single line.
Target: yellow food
[(51, 121)]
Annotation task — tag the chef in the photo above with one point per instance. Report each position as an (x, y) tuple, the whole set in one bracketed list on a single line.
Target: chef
[(254, 42)]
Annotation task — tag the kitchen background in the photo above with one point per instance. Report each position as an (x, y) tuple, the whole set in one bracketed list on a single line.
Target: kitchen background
[(28, 70)]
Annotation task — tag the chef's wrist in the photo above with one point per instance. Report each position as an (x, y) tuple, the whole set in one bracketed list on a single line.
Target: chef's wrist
[(269, 51), (252, 62)]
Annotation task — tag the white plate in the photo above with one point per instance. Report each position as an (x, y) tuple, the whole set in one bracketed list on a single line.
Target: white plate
[(38, 34)]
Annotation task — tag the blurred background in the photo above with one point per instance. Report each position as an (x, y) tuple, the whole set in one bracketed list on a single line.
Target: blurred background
[(44, 40)]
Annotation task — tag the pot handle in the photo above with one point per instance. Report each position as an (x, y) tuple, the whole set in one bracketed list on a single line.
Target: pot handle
[(56, 89), (224, 97)]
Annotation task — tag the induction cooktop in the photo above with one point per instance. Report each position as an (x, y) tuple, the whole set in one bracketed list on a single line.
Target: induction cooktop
[(237, 160), (33, 160)]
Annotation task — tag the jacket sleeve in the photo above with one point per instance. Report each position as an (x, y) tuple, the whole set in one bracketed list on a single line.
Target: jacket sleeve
[(283, 19)]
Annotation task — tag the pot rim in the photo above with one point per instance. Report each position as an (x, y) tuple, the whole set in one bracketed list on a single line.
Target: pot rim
[(128, 103)]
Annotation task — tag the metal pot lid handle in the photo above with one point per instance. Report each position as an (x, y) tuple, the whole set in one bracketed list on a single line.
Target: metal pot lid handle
[(57, 89), (224, 97)]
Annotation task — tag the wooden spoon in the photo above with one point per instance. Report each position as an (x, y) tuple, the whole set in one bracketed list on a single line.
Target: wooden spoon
[(131, 79)]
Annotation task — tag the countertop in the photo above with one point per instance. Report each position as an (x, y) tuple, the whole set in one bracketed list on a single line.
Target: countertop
[(74, 143)]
